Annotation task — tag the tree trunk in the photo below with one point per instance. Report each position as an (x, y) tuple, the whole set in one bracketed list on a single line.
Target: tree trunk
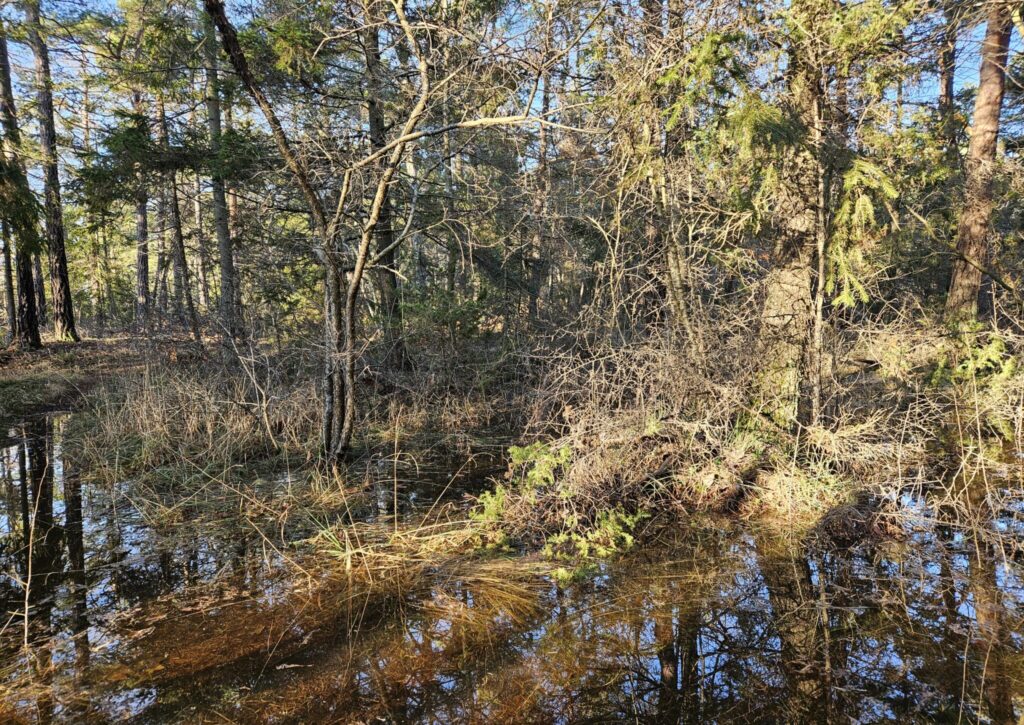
[(160, 283), (790, 335), (9, 306), (234, 220), (973, 231), (101, 260), (449, 169), (42, 308), (228, 321), (387, 280), (204, 255), (947, 74), (60, 285), (182, 283), (337, 443), (27, 318), (334, 386), (142, 297), (542, 190)]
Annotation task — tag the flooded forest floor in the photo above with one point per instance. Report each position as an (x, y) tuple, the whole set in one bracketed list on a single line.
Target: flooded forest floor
[(189, 572)]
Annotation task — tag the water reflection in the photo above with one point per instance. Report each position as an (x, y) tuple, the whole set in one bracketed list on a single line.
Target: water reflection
[(713, 623), (732, 627), (737, 628)]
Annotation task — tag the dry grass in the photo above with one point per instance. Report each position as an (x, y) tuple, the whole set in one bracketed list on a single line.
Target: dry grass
[(196, 418), (655, 426)]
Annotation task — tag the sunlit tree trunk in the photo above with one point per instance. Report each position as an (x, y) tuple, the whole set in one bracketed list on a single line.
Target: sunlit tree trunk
[(101, 257), (789, 316), (182, 281), (204, 254), (656, 235), (947, 76), (337, 388), (542, 190), (337, 443), (60, 285), (234, 220), (975, 221), (449, 171), (9, 306), (160, 283), (26, 319)]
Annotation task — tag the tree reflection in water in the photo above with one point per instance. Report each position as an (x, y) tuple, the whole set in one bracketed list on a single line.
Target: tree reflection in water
[(714, 623)]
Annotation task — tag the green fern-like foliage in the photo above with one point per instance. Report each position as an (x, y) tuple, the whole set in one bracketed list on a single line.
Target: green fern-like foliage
[(857, 224)]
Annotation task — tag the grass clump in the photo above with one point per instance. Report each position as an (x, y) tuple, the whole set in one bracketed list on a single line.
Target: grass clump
[(188, 419)]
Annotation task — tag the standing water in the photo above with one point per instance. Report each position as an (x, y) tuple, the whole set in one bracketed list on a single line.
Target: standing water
[(109, 617)]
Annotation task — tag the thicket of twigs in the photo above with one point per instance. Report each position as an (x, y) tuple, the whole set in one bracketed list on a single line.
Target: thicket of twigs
[(661, 426)]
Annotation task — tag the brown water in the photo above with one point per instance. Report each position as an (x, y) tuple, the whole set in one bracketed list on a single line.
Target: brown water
[(713, 622)]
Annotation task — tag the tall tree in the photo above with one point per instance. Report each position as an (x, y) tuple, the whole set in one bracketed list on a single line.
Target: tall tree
[(142, 296), (386, 274), (225, 248), (182, 282), (60, 285), (975, 221), (19, 206), (341, 301), (947, 80)]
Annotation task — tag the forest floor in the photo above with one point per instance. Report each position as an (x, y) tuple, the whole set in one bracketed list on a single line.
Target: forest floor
[(53, 378)]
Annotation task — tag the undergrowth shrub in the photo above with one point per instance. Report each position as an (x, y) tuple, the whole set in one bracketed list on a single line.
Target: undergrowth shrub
[(622, 431)]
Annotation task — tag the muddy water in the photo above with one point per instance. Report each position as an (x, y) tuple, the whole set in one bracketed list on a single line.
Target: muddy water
[(712, 623)]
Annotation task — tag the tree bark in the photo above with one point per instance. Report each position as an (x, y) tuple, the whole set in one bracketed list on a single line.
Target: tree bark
[(142, 297), (947, 75), (975, 221), (182, 283), (42, 307), (789, 326), (204, 255), (27, 318), (9, 306), (542, 189), (387, 280), (225, 250), (160, 283), (60, 285)]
